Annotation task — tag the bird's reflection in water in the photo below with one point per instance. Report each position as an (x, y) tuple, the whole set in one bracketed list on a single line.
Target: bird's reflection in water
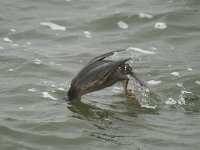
[(104, 121), (88, 111)]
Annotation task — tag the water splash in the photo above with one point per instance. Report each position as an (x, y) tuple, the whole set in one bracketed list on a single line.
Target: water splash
[(142, 94), (186, 100)]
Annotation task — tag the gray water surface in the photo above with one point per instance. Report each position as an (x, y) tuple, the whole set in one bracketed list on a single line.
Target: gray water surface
[(44, 43)]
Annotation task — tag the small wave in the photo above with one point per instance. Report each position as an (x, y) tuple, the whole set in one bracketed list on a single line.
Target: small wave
[(33, 90), (46, 95), (179, 85), (6, 39), (15, 45), (189, 69), (153, 82), (160, 25), (144, 15), (61, 89), (186, 101), (38, 62), (10, 70), (1, 47), (170, 101), (53, 26), (122, 25), (197, 82), (175, 74), (87, 34), (140, 50), (13, 30)]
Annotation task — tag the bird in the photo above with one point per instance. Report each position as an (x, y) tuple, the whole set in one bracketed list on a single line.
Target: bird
[(100, 73)]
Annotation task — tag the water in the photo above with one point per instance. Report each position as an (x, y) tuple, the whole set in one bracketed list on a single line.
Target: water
[(43, 44)]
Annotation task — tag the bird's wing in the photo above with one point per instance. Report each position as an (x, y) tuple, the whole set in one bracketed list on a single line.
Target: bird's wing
[(96, 76), (101, 57)]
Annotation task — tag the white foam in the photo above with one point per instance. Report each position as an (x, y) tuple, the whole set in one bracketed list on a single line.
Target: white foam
[(16, 45), (53, 91), (189, 69), (179, 85), (175, 74), (116, 89), (160, 25), (153, 82), (187, 92), (148, 106), (46, 95), (61, 89), (181, 101), (44, 82), (6, 39), (33, 90), (140, 50), (122, 25), (38, 62), (13, 30), (153, 48), (28, 43), (11, 70), (53, 26), (143, 15), (52, 63), (88, 34), (1, 47), (21, 108), (54, 86), (170, 101), (197, 82)]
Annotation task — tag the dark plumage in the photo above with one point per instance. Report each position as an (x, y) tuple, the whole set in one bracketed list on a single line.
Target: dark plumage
[(100, 73)]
